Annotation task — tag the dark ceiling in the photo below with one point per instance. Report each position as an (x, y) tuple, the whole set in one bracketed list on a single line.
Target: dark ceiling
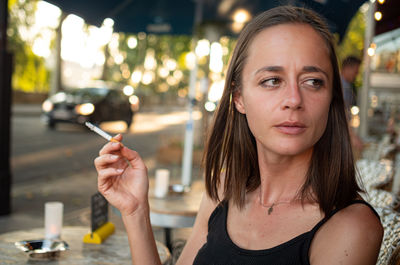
[(390, 10), (177, 16)]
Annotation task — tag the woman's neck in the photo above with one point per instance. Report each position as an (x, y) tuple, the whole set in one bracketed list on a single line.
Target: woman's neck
[(282, 177)]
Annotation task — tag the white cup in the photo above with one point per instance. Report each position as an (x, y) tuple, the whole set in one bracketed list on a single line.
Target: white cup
[(162, 183), (53, 219)]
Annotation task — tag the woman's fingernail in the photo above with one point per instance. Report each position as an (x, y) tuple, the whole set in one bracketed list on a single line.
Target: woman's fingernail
[(114, 156), (115, 144), (120, 170)]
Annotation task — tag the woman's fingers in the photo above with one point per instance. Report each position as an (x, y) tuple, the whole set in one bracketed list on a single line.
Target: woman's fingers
[(133, 157), (107, 156), (105, 178), (110, 147), (105, 160), (118, 137), (106, 173)]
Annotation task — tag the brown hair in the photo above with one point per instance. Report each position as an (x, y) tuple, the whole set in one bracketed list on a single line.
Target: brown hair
[(350, 61), (231, 147)]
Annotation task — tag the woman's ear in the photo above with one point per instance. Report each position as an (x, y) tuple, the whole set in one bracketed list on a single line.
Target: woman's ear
[(238, 100)]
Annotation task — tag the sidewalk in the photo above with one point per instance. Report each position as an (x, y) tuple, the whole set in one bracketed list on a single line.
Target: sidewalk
[(75, 192), (28, 201), (26, 109), (36, 109)]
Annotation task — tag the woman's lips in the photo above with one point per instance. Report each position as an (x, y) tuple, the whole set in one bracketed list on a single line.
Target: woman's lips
[(291, 128)]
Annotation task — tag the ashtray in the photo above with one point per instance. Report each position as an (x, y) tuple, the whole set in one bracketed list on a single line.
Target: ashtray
[(42, 248), (178, 188)]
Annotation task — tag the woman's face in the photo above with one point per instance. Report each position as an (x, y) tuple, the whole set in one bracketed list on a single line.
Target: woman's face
[(286, 89)]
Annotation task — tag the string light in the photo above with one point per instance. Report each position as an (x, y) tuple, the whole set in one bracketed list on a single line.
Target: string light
[(371, 49), (378, 15), (240, 17)]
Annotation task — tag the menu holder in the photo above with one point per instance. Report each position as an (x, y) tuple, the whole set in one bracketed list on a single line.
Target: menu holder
[(101, 227)]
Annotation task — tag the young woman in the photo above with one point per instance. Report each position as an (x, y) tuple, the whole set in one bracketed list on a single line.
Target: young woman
[(279, 171)]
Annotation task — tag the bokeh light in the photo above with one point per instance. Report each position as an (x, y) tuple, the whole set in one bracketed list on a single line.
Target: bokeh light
[(132, 42), (136, 76), (216, 90), (216, 53), (190, 60), (210, 106), (202, 48), (378, 15), (128, 90), (354, 110)]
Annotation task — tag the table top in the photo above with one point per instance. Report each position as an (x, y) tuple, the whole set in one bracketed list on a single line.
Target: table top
[(114, 250), (184, 204), (176, 210)]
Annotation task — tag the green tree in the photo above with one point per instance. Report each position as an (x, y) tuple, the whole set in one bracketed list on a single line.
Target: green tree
[(30, 73), (353, 42), (173, 47)]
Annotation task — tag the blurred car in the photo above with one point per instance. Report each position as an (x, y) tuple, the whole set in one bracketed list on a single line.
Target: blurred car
[(91, 104)]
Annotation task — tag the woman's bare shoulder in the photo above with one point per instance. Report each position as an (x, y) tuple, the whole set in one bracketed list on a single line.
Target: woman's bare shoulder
[(351, 236), (199, 232), (356, 219)]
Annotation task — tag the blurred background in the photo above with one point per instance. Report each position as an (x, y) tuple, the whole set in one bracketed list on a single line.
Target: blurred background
[(157, 82)]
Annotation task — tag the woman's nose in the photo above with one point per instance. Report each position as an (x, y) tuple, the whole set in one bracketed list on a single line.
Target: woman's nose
[(292, 98)]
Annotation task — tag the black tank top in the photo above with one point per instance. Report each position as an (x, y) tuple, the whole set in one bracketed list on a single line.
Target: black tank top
[(220, 250)]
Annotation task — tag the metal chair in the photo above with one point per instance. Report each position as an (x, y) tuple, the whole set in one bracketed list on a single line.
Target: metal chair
[(373, 173), (395, 257), (382, 198), (391, 238)]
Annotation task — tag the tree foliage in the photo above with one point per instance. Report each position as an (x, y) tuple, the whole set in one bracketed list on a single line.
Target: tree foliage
[(353, 41), (30, 73), (164, 47)]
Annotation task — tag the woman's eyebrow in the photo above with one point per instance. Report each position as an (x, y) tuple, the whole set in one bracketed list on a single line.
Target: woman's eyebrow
[(306, 69), (272, 68), (314, 69)]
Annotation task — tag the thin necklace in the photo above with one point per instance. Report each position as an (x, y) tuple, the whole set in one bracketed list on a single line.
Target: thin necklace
[(271, 207)]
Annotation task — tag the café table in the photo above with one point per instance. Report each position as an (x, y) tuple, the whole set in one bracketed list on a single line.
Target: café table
[(113, 251), (175, 210)]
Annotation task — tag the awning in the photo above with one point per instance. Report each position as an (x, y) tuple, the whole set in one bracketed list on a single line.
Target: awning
[(390, 10), (177, 16)]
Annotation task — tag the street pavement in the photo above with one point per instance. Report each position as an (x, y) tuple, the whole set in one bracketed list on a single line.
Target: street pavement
[(26, 109), (74, 191)]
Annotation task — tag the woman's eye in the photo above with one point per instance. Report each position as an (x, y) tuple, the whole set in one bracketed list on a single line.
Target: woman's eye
[(315, 83), (271, 82)]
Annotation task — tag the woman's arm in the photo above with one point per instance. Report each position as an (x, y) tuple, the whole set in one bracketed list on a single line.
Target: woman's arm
[(199, 233), (352, 236), (123, 181), (141, 240)]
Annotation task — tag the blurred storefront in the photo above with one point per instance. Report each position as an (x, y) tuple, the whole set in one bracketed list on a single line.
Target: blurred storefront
[(384, 92)]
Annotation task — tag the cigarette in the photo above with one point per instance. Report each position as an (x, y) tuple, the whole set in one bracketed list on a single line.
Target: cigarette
[(105, 136), (100, 132)]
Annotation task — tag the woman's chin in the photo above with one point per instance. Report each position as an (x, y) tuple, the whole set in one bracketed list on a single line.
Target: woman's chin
[(293, 150)]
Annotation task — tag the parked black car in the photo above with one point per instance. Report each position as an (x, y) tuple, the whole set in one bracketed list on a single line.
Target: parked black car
[(89, 104)]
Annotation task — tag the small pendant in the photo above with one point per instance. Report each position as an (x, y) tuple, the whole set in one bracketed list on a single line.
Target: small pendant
[(270, 209)]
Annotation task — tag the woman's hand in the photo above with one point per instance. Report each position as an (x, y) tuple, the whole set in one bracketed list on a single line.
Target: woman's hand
[(122, 177)]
